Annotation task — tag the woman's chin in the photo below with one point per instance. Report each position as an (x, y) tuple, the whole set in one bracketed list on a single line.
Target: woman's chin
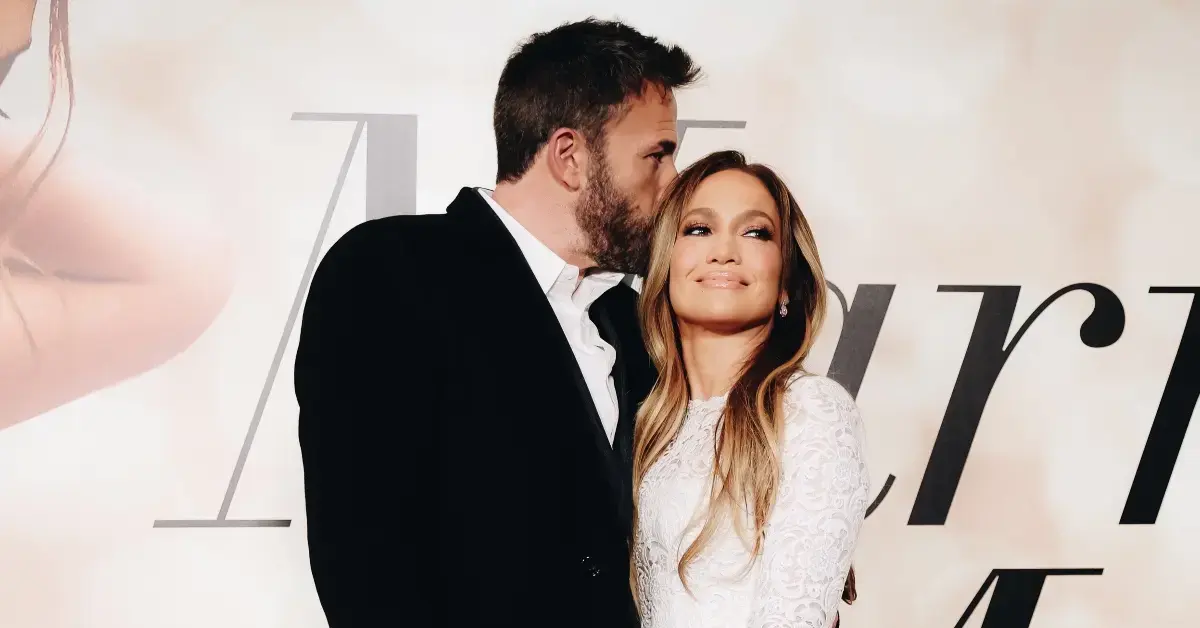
[(724, 322)]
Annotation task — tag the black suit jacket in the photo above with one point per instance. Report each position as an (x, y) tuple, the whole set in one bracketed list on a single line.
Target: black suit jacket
[(455, 469)]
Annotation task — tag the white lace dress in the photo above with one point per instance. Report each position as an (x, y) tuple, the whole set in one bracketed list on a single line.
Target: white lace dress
[(798, 578)]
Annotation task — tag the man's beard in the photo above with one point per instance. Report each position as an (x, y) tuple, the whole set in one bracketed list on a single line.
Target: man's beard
[(617, 239)]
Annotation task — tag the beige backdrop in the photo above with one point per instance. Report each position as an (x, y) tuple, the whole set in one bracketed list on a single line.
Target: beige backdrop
[(1036, 143)]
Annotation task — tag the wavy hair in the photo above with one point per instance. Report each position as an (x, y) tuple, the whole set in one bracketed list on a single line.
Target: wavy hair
[(747, 468)]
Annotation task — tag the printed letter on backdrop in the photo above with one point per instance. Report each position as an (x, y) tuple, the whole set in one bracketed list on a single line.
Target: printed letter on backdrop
[(985, 357)]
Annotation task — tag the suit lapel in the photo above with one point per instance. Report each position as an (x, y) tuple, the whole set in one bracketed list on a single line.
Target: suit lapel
[(621, 452), (524, 314)]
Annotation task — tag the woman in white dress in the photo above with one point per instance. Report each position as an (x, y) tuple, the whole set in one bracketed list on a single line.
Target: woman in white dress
[(751, 479)]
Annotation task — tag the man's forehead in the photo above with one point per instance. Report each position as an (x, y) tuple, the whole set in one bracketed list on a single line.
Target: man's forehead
[(654, 100), (654, 111), (654, 93)]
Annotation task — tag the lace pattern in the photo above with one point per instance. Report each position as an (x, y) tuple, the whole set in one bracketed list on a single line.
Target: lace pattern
[(797, 580)]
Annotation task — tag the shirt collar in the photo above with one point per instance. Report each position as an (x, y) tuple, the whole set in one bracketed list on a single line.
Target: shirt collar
[(553, 274)]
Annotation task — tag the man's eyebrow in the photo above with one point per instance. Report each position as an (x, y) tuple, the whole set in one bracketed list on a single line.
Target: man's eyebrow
[(664, 146)]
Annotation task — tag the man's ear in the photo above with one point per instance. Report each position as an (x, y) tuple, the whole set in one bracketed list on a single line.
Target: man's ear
[(567, 155)]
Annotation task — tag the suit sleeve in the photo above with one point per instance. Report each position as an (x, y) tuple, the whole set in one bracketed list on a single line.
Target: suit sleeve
[(363, 381)]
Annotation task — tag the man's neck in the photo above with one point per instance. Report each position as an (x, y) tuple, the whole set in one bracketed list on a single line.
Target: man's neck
[(548, 216)]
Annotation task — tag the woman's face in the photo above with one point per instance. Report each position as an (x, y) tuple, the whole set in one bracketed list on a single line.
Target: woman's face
[(727, 259), (16, 28), (16, 25)]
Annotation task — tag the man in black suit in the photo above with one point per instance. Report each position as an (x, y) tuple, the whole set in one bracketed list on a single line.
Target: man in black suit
[(468, 381)]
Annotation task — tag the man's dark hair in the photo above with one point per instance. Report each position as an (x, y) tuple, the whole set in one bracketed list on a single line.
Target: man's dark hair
[(576, 76)]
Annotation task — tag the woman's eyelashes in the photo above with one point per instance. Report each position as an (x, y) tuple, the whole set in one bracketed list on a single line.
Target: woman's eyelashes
[(762, 233), (700, 229)]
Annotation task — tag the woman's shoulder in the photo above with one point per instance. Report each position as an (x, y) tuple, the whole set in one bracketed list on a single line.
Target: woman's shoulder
[(822, 416), (812, 388), (812, 398)]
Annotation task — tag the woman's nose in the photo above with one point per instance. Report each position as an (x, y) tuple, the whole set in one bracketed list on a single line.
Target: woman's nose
[(724, 250)]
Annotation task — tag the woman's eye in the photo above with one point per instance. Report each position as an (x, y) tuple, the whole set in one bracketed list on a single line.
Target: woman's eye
[(695, 230), (762, 233)]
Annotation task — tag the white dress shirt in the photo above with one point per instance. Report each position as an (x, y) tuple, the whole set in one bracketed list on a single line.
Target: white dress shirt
[(571, 296)]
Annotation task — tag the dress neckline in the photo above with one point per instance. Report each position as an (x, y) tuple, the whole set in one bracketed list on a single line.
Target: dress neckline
[(706, 404)]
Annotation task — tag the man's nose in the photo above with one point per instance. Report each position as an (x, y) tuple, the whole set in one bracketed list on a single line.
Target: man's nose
[(668, 172)]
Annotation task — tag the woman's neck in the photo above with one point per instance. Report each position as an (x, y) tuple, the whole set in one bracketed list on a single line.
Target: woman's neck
[(714, 360)]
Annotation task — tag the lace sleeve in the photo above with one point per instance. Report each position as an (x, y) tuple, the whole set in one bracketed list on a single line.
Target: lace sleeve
[(819, 509)]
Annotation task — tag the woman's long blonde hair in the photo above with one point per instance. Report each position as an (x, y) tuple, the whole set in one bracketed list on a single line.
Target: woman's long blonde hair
[(747, 467)]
